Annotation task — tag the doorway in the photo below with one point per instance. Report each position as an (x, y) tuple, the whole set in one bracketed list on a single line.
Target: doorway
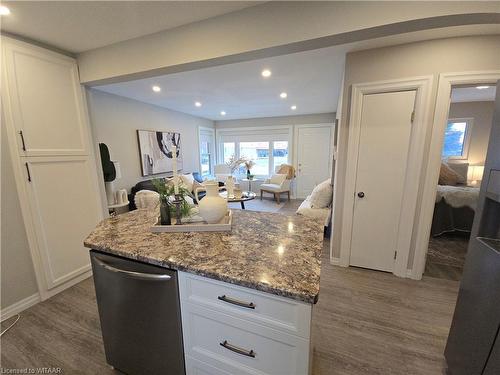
[(313, 156), (465, 143)]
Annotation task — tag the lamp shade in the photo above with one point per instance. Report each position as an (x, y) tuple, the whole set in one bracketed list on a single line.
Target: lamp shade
[(117, 170), (475, 172)]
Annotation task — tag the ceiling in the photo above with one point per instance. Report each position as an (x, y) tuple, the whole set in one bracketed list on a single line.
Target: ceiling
[(95, 24), (472, 94), (312, 81)]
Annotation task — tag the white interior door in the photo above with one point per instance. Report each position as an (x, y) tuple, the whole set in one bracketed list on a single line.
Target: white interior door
[(313, 157), (384, 145), (65, 210)]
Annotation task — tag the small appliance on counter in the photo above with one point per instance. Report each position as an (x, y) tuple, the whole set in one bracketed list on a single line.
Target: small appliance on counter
[(140, 315)]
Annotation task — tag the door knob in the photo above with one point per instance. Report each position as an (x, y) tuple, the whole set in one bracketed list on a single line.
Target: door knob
[(361, 194)]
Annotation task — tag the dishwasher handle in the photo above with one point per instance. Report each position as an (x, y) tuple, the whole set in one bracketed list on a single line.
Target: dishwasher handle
[(133, 274)]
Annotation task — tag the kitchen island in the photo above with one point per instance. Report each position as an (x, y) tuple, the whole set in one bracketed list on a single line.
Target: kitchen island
[(246, 296)]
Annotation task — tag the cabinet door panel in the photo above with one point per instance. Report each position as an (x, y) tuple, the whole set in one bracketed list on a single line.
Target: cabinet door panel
[(46, 101), (65, 208)]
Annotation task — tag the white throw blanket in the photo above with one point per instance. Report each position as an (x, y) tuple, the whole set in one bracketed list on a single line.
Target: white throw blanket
[(458, 196)]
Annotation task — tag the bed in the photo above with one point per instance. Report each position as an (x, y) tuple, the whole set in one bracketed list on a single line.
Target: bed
[(454, 209)]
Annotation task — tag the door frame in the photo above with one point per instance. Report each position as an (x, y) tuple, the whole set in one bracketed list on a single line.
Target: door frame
[(423, 87), (295, 154), (431, 176)]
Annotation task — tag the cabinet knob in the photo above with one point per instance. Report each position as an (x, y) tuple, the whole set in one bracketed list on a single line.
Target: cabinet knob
[(361, 194)]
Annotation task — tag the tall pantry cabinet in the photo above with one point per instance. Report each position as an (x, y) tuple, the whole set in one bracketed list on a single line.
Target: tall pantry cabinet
[(54, 164)]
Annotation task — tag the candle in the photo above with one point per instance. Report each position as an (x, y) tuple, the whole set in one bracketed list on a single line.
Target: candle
[(174, 167)]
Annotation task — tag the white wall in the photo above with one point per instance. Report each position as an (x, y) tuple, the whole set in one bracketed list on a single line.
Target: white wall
[(409, 60), (17, 272), (115, 121), (482, 113), (271, 29)]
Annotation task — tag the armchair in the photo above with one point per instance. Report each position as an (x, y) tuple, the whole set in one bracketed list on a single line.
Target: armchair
[(276, 185)]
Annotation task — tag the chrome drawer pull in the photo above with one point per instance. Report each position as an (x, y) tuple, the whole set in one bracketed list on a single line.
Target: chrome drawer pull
[(248, 353), (248, 305)]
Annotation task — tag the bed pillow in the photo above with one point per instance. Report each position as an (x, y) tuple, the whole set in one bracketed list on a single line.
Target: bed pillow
[(321, 196), (448, 176)]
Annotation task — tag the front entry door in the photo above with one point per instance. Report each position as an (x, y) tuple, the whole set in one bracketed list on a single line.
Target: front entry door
[(313, 157), (384, 143)]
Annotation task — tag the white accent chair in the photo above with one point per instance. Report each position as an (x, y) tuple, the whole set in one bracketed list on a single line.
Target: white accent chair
[(221, 171), (276, 185)]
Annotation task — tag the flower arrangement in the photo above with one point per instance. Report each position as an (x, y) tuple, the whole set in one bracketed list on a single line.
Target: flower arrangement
[(249, 165), (234, 163)]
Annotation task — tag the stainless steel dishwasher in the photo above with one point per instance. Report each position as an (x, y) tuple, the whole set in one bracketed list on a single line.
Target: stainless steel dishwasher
[(140, 316)]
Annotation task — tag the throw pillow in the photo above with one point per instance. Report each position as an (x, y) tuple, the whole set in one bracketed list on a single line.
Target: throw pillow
[(321, 196), (188, 181), (277, 179), (448, 176)]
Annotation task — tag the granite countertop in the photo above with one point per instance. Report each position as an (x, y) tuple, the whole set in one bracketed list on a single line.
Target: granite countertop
[(270, 252)]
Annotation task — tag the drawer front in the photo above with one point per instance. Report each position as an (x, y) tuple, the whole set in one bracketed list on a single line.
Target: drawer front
[(276, 312), (239, 346), (196, 367)]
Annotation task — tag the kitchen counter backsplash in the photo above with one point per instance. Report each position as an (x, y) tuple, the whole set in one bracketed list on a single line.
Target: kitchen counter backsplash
[(270, 252)]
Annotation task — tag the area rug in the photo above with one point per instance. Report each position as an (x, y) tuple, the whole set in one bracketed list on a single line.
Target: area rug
[(448, 249), (259, 205)]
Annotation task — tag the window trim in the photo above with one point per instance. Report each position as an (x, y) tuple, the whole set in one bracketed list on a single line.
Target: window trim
[(467, 138)]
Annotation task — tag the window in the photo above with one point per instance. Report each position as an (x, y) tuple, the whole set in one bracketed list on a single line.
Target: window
[(228, 151), (280, 153), (205, 158), (456, 139), (207, 151), (259, 153)]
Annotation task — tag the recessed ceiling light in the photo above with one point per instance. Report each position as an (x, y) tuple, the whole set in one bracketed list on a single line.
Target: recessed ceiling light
[(156, 88), (482, 87), (198, 104), (4, 11), (222, 113), (266, 73), (293, 107), (283, 95)]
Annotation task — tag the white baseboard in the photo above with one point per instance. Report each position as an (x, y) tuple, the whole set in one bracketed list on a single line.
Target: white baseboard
[(19, 306)]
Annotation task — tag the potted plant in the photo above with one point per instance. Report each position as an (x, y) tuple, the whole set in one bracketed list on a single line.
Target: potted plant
[(167, 194)]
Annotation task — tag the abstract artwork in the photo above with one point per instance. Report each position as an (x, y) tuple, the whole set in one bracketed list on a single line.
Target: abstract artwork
[(155, 149)]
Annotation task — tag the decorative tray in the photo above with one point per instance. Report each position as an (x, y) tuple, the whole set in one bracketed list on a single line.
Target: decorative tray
[(222, 226)]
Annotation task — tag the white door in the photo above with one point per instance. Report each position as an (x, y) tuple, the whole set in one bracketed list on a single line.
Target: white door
[(45, 99), (313, 157), (65, 210), (380, 178)]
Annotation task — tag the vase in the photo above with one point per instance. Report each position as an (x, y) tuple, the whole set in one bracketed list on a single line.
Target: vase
[(248, 174), (212, 207), (230, 183), (165, 212)]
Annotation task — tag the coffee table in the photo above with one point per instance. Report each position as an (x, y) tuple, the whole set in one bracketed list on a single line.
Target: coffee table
[(246, 196)]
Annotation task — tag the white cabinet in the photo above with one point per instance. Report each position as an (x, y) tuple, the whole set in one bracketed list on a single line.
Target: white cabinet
[(54, 165), (239, 330)]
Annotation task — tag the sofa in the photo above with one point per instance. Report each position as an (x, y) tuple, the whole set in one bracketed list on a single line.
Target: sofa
[(148, 185)]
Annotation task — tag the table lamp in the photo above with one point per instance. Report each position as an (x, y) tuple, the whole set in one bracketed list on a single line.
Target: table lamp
[(475, 174)]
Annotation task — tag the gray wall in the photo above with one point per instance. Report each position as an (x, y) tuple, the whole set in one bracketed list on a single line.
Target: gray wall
[(17, 273), (320, 118), (482, 113), (115, 121), (432, 57)]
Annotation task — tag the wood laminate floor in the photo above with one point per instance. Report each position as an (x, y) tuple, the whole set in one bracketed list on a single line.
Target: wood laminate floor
[(365, 322)]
